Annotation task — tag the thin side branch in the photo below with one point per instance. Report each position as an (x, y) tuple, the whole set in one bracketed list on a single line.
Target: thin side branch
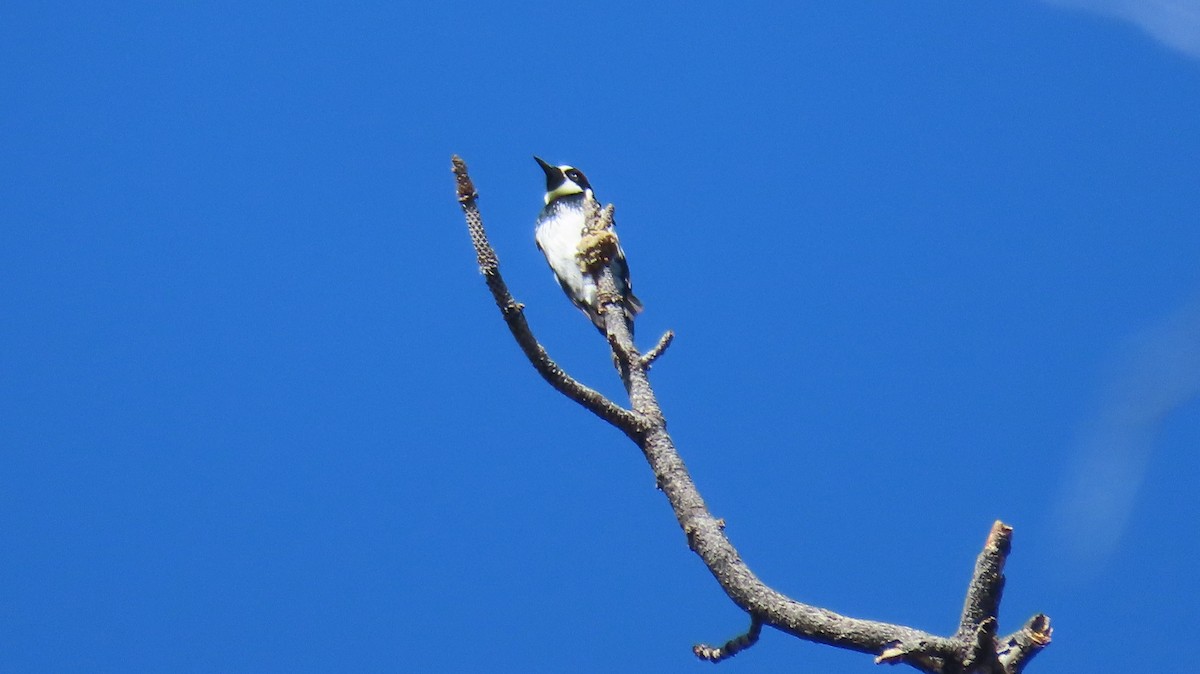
[(974, 646), (659, 349), (732, 647)]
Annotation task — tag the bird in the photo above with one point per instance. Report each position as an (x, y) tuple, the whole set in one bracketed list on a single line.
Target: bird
[(558, 231)]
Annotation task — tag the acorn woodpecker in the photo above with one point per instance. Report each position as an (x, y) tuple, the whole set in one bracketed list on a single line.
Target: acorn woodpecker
[(558, 233)]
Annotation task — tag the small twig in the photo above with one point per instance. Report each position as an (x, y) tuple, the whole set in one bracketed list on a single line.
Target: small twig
[(659, 349), (732, 647)]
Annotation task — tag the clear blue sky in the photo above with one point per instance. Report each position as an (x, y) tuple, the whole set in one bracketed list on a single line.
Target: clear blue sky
[(929, 264)]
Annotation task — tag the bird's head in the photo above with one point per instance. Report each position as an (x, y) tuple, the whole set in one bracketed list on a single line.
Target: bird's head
[(563, 180)]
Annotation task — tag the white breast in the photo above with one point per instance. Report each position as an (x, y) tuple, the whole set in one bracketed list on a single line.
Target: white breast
[(558, 236)]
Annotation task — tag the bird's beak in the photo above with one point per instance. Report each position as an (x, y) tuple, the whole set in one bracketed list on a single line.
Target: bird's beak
[(550, 170)]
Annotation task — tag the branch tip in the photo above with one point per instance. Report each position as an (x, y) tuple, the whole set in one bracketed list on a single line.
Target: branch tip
[(462, 181), (606, 216), (1039, 629), (1019, 648), (732, 647), (1000, 537), (659, 349)]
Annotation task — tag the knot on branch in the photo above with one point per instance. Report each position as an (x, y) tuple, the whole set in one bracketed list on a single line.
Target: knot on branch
[(914, 653)]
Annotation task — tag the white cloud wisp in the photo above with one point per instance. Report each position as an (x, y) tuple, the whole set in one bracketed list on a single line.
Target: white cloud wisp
[(1158, 373), (1175, 23)]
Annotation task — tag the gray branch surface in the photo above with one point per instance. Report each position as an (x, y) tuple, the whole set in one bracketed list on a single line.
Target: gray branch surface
[(974, 647)]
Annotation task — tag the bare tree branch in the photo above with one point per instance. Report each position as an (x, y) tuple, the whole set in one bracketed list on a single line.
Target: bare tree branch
[(973, 647)]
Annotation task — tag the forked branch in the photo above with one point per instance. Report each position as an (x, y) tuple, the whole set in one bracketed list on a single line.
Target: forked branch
[(974, 647)]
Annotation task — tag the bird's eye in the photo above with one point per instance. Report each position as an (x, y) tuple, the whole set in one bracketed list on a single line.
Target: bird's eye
[(574, 175)]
